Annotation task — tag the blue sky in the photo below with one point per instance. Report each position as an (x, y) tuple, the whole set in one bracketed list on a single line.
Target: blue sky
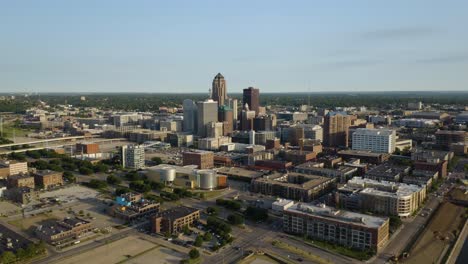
[(278, 46)]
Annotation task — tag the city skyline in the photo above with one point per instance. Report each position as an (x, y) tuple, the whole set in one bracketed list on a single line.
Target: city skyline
[(301, 47)]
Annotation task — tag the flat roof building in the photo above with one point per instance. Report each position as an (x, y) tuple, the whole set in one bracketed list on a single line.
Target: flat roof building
[(375, 140), (358, 231), (173, 220), (48, 179), (294, 186)]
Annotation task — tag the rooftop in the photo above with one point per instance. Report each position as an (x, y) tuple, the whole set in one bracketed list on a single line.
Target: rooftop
[(295, 180), (342, 216), (177, 212), (236, 171)]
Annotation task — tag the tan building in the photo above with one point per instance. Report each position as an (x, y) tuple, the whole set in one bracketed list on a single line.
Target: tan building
[(87, 148), (48, 179), (11, 167), (358, 231), (174, 220), (22, 180), (383, 197), (335, 129), (203, 159)]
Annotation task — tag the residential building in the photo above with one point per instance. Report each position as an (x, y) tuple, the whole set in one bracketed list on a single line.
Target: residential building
[(382, 197), (335, 129), (12, 167), (133, 157), (358, 231), (445, 138), (375, 140)]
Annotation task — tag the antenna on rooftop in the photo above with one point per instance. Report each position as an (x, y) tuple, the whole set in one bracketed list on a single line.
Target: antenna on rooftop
[(210, 94)]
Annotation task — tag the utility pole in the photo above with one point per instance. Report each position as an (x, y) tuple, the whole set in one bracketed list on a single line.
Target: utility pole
[(1, 126)]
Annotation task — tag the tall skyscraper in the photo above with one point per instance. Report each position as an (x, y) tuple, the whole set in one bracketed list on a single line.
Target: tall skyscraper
[(251, 97), (207, 112), (219, 89), (190, 116), (336, 129)]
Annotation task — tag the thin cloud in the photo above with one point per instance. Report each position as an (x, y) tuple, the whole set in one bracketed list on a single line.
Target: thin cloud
[(398, 33), (445, 59)]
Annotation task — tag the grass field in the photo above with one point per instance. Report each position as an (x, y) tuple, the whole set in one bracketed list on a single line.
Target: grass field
[(258, 259), (120, 251), (439, 234)]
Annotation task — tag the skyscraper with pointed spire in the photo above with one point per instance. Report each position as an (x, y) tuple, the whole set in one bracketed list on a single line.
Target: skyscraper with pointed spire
[(218, 91)]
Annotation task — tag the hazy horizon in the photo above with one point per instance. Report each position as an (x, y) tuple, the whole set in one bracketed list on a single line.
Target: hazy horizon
[(179, 46)]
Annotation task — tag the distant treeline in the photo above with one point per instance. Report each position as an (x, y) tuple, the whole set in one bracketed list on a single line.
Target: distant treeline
[(151, 102)]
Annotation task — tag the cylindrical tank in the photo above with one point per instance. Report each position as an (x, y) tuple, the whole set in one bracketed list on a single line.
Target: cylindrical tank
[(167, 174), (207, 179)]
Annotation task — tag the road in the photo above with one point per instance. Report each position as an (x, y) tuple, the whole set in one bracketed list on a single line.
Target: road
[(410, 229)]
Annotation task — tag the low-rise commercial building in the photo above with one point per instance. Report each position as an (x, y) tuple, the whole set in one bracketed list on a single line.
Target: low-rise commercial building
[(132, 206), (63, 232), (358, 231), (174, 220)]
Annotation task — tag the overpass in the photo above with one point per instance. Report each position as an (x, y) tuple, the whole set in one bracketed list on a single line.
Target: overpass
[(56, 145), (46, 141)]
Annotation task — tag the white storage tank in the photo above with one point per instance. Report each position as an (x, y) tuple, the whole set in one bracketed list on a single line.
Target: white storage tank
[(207, 179), (167, 174)]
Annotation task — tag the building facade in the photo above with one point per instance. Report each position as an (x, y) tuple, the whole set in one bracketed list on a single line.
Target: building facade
[(133, 157), (375, 140), (358, 231)]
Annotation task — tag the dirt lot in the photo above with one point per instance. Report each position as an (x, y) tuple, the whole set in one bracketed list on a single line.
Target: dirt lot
[(8, 208), (27, 224), (259, 259), (438, 234), (114, 252)]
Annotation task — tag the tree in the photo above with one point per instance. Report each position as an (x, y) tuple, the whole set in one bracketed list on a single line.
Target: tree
[(97, 184), (69, 176), (121, 190), (235, 219), (186, 230), (198, 241), (112, 179), (207, 236), (157, 160), (194, 253), (86, 171), (256, 214), (212, 210), (8, 257)]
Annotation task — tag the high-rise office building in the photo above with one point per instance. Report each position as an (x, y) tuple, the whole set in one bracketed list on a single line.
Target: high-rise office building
[(247, 118), (251, 97), (335, 129), (219, 89), (375, 140), (133, 157), (190, 116), (207, 112)]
